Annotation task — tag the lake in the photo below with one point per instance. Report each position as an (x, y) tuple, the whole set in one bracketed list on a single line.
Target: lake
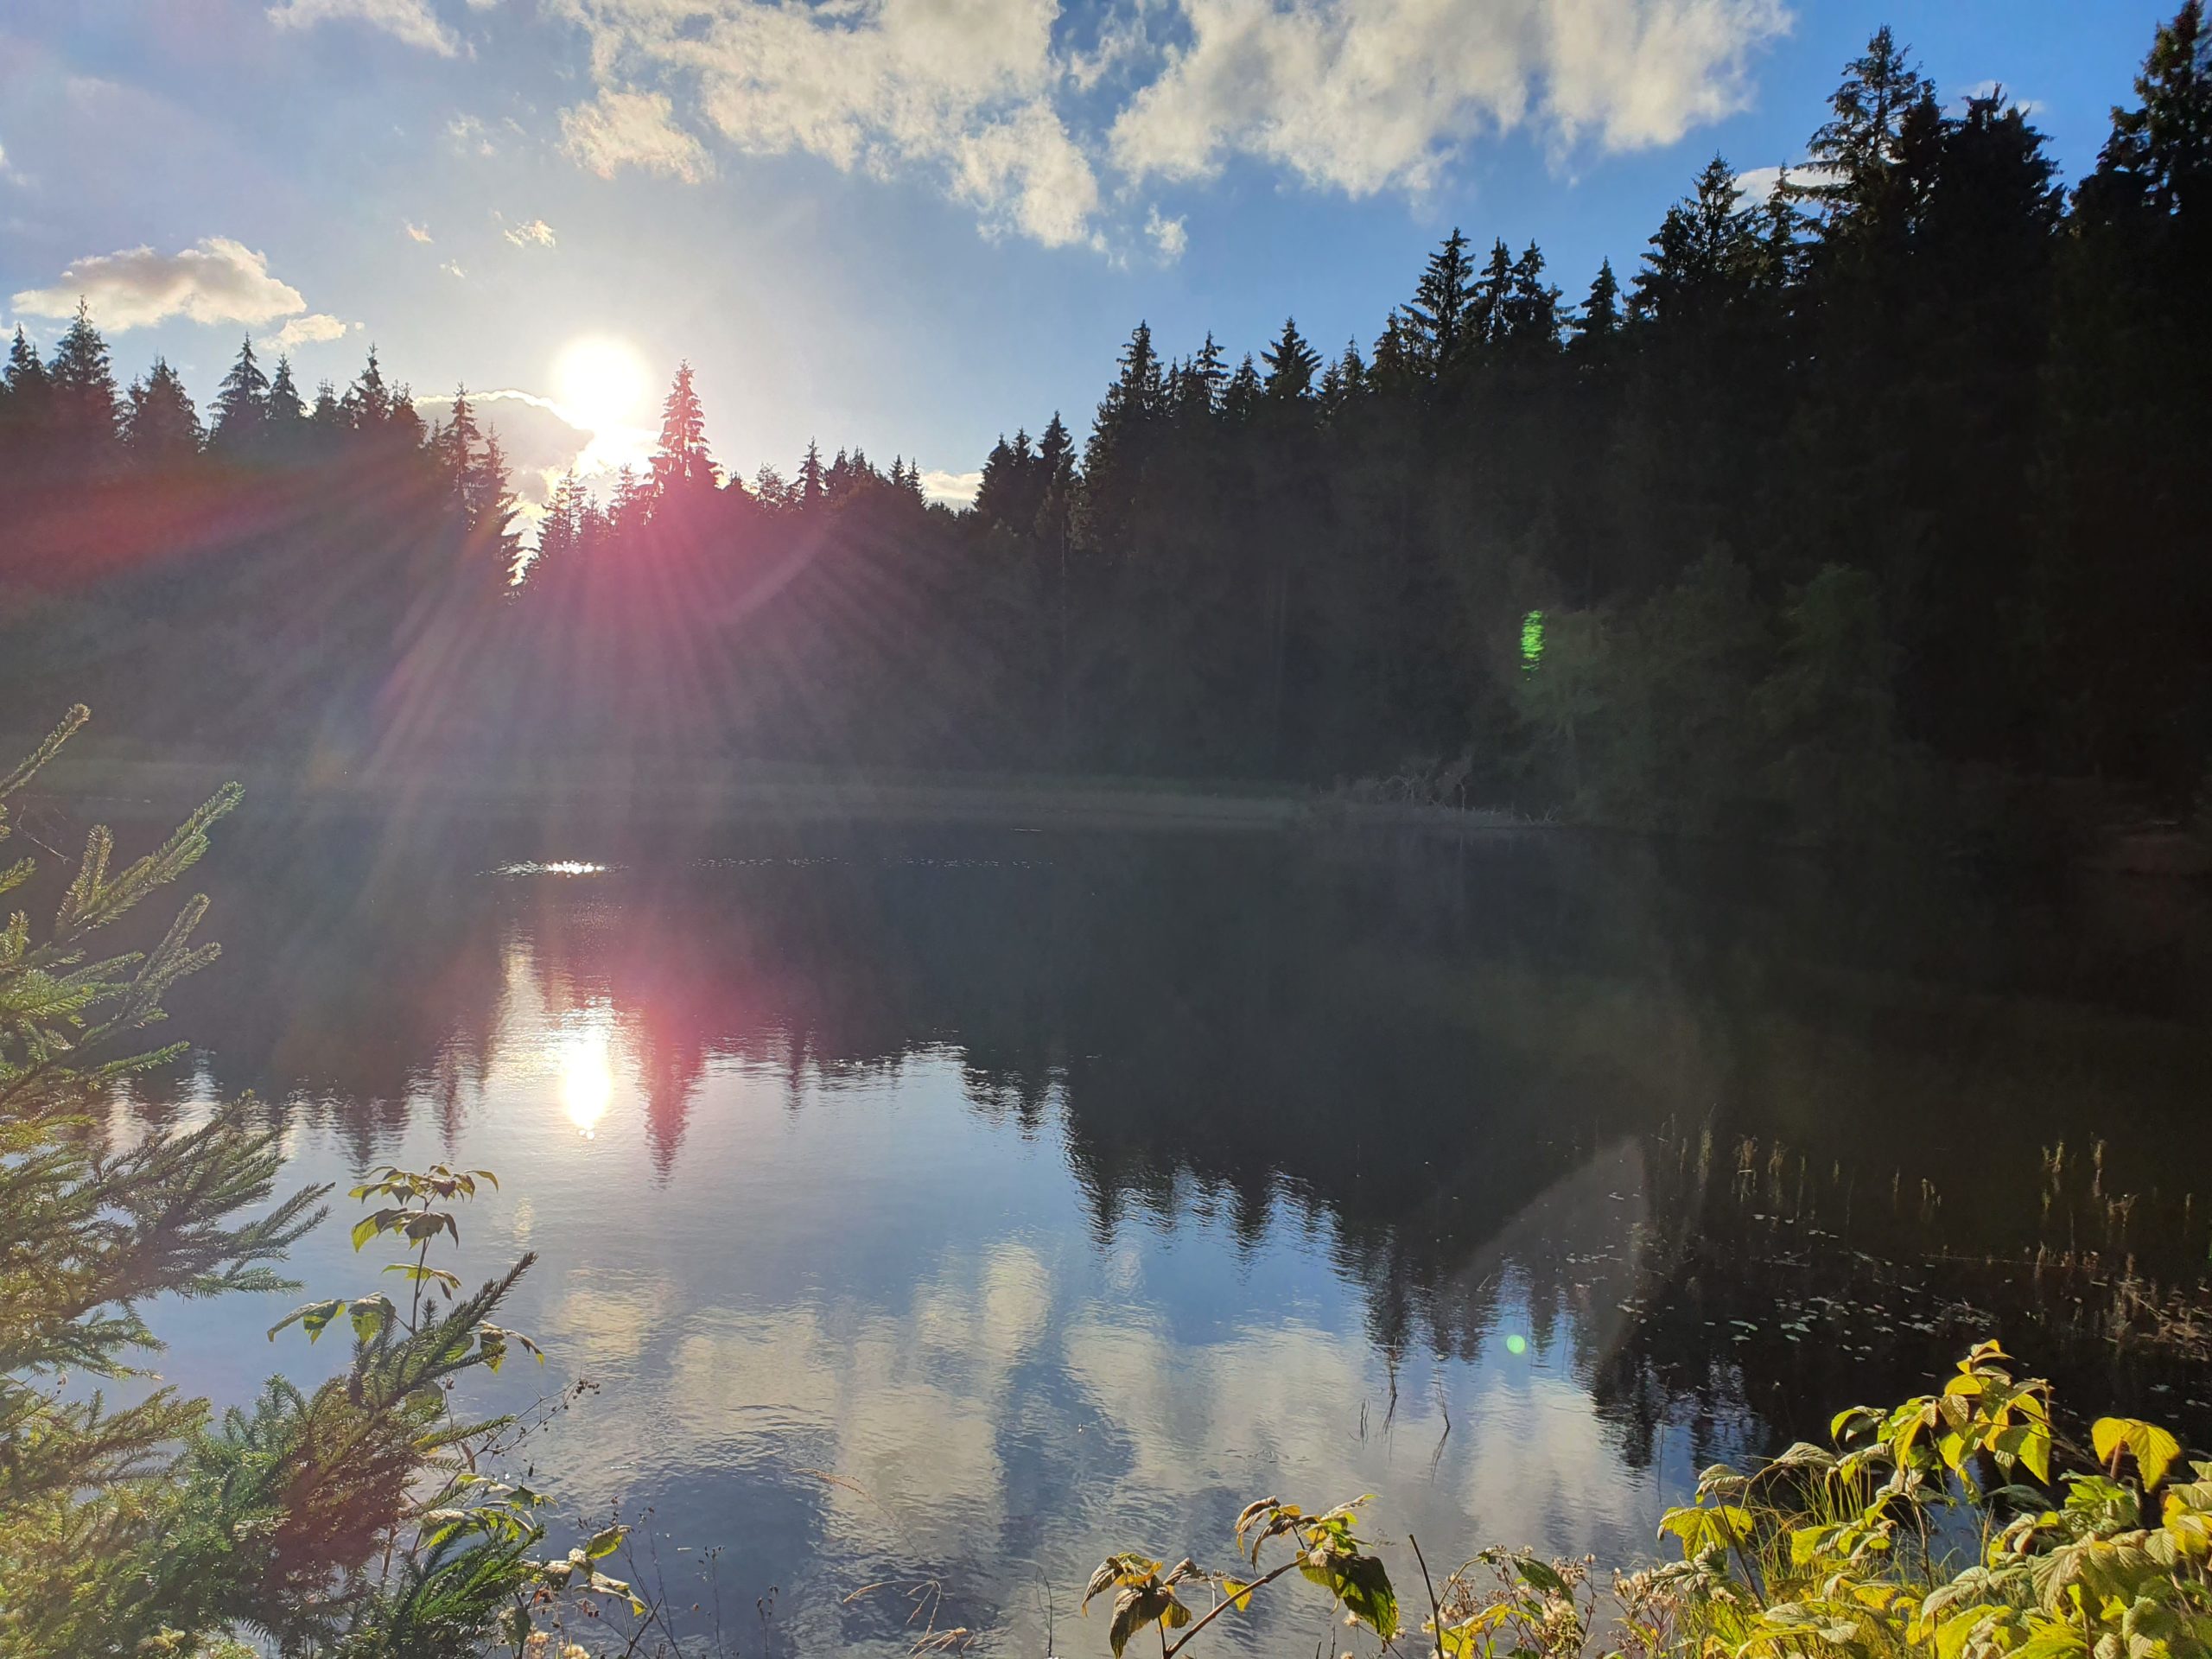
[(937, 1209)]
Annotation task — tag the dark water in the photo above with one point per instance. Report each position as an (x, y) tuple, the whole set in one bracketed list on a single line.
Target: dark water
[(937, 1209)]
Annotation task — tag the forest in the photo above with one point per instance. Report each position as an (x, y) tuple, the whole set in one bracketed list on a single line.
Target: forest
[(1871, 503)]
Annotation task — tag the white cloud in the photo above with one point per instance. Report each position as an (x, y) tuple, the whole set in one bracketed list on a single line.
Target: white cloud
[(622, 129), (532, 233), (540, 442), (962, 87), (416, 232), (466, 134), (217, 280), (1759, 183), (2026, 106), (1167, 235), (953, 489), (411, 21), (1354, 95), (1367, 95), (312, 329)]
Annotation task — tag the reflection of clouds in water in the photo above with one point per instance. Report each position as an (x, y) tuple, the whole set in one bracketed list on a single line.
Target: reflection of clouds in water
[(603, 1318), (1014, 1396)]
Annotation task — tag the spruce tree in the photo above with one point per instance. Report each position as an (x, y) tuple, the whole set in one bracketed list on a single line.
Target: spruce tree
[(86, 412), (1432, 329), (1291, 364), (1868, 110), (160, 426), (287, 418), (810, 478), (681, 464), (241, 421), (1598, 322)]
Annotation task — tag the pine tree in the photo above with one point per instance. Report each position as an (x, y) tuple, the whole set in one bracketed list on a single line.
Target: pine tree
[(160, 426), (1529, 312), (1291, 364), (242, 406), (24, 371), (1488, 296), (457, 443), (287, 418), (2159, 153), (1859, 141), (367, 403), (1242, 397), (1431, 332), (87, 411), (1598, 323), (810, 488), (1694, 267), (561, 531), (489, 502), (681, 466)]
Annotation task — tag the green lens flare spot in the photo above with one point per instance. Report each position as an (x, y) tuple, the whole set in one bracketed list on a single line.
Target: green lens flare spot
[(1517, 1344)]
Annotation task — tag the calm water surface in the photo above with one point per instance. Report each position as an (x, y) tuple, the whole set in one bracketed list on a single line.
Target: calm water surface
[(937, 1209)]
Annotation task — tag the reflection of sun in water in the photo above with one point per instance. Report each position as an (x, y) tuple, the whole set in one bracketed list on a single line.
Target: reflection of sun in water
[(600, 383), (586, 1080)]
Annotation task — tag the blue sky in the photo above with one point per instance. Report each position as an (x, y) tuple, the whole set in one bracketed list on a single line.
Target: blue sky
[(904, 224)]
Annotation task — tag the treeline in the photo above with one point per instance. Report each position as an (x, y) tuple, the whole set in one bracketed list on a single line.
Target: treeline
[(1879, 486)]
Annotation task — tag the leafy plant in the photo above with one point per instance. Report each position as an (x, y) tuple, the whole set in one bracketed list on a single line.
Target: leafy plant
[(355, 1519), (1325, 1550), (1837, 1552)]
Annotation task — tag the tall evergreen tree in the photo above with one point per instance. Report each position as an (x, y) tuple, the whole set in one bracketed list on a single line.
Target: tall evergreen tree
[(160, 426), (1291, 364), (1432, 328), (87, 411), (1853, 149), (681, 468), (287, 417), (241, 421)]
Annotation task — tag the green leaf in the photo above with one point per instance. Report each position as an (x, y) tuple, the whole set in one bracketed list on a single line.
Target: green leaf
[(1136, 1607), (1363, 1586), (312, 1319), (382, 1221), (1535, 1571), (605, 1543), (371, 1316), (2155, 1450)]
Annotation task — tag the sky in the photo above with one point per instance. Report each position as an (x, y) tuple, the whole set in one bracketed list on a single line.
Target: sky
[(904, 225)]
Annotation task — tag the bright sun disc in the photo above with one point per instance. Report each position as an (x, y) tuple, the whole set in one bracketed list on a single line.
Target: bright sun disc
[(599, 383)]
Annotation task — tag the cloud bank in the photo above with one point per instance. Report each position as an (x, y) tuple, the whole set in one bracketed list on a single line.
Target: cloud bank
[(1004, 109), (216, 280)]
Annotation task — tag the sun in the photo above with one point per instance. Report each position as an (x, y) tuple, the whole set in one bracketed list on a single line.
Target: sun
[(587, 1077), (599, 383)]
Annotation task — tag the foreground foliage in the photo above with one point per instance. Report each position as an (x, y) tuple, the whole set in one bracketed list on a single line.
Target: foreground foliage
[(1949, 1526), (352, 1518)]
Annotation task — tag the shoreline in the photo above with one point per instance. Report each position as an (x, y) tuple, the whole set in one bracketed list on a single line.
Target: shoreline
[(130, 789)]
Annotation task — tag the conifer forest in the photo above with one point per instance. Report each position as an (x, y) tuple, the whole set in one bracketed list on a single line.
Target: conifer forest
[(1873, 500)]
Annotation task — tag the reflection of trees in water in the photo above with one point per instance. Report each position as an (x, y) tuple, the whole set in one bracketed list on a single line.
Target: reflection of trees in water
[(1417, 1051)]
